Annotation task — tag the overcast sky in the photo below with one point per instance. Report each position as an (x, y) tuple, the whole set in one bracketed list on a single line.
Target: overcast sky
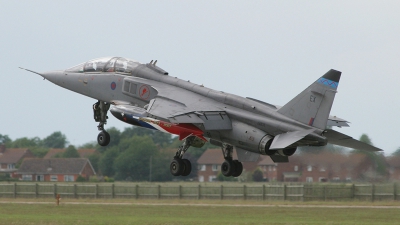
[(269, 50)]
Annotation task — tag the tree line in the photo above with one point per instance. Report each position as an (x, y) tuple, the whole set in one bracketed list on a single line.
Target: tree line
[(134, 154), (138, 154)]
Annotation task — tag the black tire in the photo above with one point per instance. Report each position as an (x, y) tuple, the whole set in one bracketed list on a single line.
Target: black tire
[(238, 168), (176, 167), (103, 138), (227, 168), (187, 167)]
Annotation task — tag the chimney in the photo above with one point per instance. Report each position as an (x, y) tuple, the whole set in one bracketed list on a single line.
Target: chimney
[(2, 148)]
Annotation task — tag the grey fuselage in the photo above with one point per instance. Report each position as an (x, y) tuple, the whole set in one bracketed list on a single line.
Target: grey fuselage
[(251, 119)]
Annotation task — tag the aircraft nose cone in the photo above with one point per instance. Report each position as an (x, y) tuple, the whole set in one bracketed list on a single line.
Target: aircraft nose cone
[(52, 75)]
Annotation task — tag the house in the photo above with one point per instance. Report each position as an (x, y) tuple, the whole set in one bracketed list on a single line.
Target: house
[(54, 152), (209, 165), (324, 167), (83, 152), (55, 169), (269, 168), (394, 168), (9, 158)]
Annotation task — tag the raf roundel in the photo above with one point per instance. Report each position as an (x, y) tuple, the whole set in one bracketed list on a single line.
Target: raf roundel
[(113, 85), (144, 92)]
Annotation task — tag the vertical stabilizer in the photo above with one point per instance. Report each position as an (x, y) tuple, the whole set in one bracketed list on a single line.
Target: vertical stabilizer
[(313, 105)]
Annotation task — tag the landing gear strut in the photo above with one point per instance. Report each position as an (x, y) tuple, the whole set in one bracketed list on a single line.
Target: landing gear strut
[(230, 167), (180, 166), (100, 115)]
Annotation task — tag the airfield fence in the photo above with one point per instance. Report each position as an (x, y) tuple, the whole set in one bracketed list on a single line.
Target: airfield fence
[(249, 191)]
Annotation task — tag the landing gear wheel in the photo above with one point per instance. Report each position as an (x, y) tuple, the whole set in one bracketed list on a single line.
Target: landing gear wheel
[(227, 168), (176, 167), (238, 168), (187, 167), (103, 138)]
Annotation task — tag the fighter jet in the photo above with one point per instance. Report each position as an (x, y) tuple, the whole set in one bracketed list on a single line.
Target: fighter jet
[(147, 96)]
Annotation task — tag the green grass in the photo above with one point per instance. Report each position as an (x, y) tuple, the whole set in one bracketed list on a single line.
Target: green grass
[(77, 214)]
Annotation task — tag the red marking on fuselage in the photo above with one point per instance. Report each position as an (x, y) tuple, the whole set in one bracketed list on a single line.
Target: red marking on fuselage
[(143, 92), (311, 121), (183, 130)]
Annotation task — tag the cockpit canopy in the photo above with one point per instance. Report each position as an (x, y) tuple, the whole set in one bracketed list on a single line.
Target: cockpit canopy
[(106, 64)]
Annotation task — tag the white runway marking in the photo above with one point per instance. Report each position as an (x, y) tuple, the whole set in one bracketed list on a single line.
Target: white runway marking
[(208, 205)]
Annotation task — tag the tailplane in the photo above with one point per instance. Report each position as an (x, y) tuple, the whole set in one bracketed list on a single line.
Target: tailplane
[(313, 105)]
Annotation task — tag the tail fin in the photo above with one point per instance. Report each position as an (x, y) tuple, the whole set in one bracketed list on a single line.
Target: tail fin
[(313, 105)]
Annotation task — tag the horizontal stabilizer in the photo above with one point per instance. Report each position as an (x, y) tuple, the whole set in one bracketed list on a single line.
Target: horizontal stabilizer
[(338, 138), (284, 140), (337, 122), (279, 158)]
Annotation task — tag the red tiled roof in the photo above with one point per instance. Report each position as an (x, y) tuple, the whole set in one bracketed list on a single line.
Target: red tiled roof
[(13, 155), (53, 152), (53, 166), (83, 152)]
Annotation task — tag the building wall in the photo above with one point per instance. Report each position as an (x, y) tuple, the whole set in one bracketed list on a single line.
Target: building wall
[(270, 172), (207, 173), (47, 177), (311, 173), (87, 171)]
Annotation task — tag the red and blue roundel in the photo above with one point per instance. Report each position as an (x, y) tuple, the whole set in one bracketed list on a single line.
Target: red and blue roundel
[(113, 85)]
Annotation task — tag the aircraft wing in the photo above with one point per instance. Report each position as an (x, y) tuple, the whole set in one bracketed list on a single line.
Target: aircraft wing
[(178, 105), (179, 112), (338, 138)]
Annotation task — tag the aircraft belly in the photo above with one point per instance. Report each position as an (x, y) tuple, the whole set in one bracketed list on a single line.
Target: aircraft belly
[(243, 136)]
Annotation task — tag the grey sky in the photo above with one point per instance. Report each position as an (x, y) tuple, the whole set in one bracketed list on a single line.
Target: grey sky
[(269, 50)]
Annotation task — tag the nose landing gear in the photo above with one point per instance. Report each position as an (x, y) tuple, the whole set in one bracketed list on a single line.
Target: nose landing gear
[(100, 115), (103, 138)]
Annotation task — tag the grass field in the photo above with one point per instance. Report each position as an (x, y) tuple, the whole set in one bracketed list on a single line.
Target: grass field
[(186, 212)]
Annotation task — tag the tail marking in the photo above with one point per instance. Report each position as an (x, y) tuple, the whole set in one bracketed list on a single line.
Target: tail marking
[(328, 82)]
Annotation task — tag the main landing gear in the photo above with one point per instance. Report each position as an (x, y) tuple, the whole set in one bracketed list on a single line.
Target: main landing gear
[(180, 166), (230, 167), (100, 115)]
